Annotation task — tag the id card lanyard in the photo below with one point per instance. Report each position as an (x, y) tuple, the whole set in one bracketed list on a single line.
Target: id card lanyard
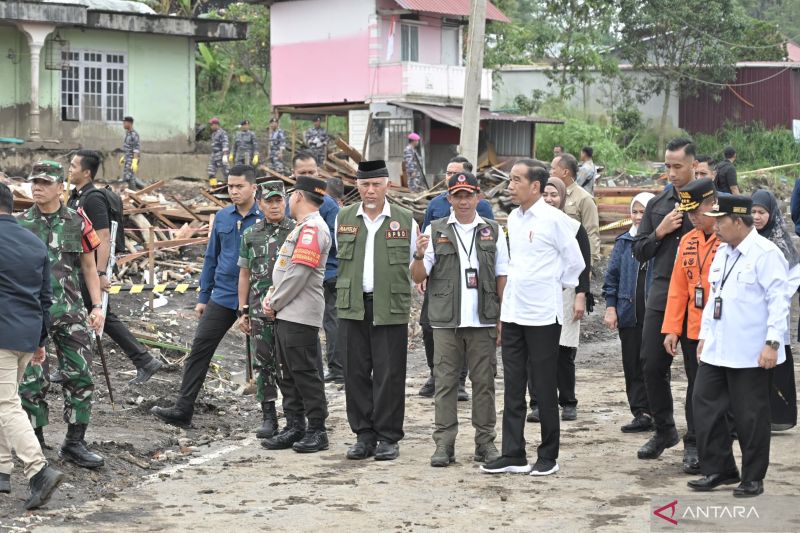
[(718, 299), (470, 274), (699, 292)]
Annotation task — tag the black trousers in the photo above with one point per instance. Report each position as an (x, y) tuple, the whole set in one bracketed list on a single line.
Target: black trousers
[(302, 388), (745, 392), (783, 393), (565, 381), (530, 350), (633, 367), (657, 374), (333, 350), (427, 339), (375, 360), (212, 327), (119, 333)]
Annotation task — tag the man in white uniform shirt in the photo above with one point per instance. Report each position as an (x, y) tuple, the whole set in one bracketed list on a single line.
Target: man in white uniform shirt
[(741, 339), (545, 258), (465, 259)]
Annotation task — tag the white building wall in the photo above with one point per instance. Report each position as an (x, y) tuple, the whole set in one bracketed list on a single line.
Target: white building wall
[(594, 98)]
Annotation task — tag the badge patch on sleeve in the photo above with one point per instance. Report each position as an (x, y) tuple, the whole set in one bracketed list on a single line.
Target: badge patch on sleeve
[(90, 241), (307, 251), (486, 234)]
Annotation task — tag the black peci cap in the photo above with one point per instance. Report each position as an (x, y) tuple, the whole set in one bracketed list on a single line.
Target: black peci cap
[(731, 205), (694, 193)]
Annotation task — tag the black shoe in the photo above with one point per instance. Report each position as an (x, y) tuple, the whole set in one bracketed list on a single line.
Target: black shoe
[(748, 489), (39, 432), (507, 465), (334, 377), (57, 376), (640, 423), (294, 431), (75, 451), (569, 413), (654, 447), (387, 451), (315, 440), (269, 424), (173, 416), (443, 456), (691, 461), (361, 450), (533, 416), (5, 483), (712, 481), (43, 484), (463, 395), (544, 467), (143, 374), (428, 388)]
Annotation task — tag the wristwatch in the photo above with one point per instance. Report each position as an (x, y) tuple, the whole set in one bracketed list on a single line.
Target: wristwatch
[(244, 310), (773, 344), (418, 257), (97, 306)]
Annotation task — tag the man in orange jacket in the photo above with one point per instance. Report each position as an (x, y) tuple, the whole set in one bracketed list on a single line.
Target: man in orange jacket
[(688, 294)]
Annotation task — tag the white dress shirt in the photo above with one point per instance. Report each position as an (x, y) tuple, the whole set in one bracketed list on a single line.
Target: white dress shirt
[(755, 303), (469, 297), (368, 277), (545, 258)]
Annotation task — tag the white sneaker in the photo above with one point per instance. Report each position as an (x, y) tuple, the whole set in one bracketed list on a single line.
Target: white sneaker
[(544, 467)]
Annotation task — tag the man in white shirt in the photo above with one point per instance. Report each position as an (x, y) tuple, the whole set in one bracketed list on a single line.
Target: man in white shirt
[(465, 259), (587, 172), (545, 258), (741, 339)]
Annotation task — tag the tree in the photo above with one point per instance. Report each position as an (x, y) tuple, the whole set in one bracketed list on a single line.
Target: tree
[(662, 38), (785, 14)]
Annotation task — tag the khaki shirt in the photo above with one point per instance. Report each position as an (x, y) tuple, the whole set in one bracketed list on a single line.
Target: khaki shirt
[(581, 207), (299, 272)]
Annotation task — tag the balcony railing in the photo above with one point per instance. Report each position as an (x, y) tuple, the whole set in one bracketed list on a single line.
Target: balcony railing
[(441, 83)]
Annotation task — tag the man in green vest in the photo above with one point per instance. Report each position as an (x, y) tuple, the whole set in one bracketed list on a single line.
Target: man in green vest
[(375, 242), (465, 259)]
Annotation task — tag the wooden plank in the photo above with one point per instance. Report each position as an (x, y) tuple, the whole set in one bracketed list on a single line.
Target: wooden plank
[(177, 243), (137, 210), (351, 152), (194, 215), (211, 198)]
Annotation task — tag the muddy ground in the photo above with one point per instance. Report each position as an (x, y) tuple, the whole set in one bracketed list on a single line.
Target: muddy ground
[(159, 478)]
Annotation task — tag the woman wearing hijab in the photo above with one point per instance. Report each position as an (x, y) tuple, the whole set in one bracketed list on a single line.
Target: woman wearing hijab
[(555, 194), (625, 289), (769, 223)]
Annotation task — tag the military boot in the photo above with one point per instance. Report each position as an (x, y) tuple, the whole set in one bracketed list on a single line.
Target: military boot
[(293, 431), (39, 432), (75, 451), (269, 424), (144, 373), (315, 439)]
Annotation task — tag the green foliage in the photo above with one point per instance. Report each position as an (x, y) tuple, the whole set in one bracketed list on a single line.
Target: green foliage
[(756, 146), (241, 102), (783, 13)]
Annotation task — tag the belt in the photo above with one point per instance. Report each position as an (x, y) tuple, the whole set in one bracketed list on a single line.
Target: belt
[(368, 296)]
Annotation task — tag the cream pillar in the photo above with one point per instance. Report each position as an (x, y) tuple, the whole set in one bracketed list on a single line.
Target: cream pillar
[(36, 33)]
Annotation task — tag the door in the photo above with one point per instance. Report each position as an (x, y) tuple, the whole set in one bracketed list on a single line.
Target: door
[(451, 53)]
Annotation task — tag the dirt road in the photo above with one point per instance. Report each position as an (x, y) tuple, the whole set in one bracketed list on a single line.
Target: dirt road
[(217, 476)]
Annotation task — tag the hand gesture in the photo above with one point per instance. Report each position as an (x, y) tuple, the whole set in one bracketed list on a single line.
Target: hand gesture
[(422, 243)]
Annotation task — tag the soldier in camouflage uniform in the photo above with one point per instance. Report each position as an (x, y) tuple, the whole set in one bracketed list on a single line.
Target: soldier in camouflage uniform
[(131, 148), (317, 141), (277, 145), (259, 249), (413, 170), (245, 146), (219, 152), (70, 241)]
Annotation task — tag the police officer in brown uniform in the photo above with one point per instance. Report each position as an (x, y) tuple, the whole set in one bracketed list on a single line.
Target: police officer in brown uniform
[(465, 259), (296, 302), (375, 241)]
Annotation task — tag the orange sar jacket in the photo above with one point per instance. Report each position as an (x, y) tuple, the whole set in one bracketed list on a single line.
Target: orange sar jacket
[(692, 264)]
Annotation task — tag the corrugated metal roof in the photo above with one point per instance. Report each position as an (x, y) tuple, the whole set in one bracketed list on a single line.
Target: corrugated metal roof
[(451, 115), (460, 8)]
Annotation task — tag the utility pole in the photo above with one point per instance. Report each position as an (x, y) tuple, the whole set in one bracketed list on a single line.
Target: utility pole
[(471, 110)]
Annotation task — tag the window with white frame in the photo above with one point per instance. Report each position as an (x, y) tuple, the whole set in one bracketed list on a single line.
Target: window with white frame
[(93, 86), (409, 42)]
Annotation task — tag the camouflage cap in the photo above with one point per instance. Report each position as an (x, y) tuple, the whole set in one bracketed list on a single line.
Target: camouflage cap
[(51, 171), (272, 188)]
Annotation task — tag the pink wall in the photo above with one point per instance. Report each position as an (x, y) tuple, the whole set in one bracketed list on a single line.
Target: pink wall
[(430, 40), (329, 71)]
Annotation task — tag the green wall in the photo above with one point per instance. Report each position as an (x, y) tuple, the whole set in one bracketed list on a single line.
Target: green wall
[(160, 90)]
